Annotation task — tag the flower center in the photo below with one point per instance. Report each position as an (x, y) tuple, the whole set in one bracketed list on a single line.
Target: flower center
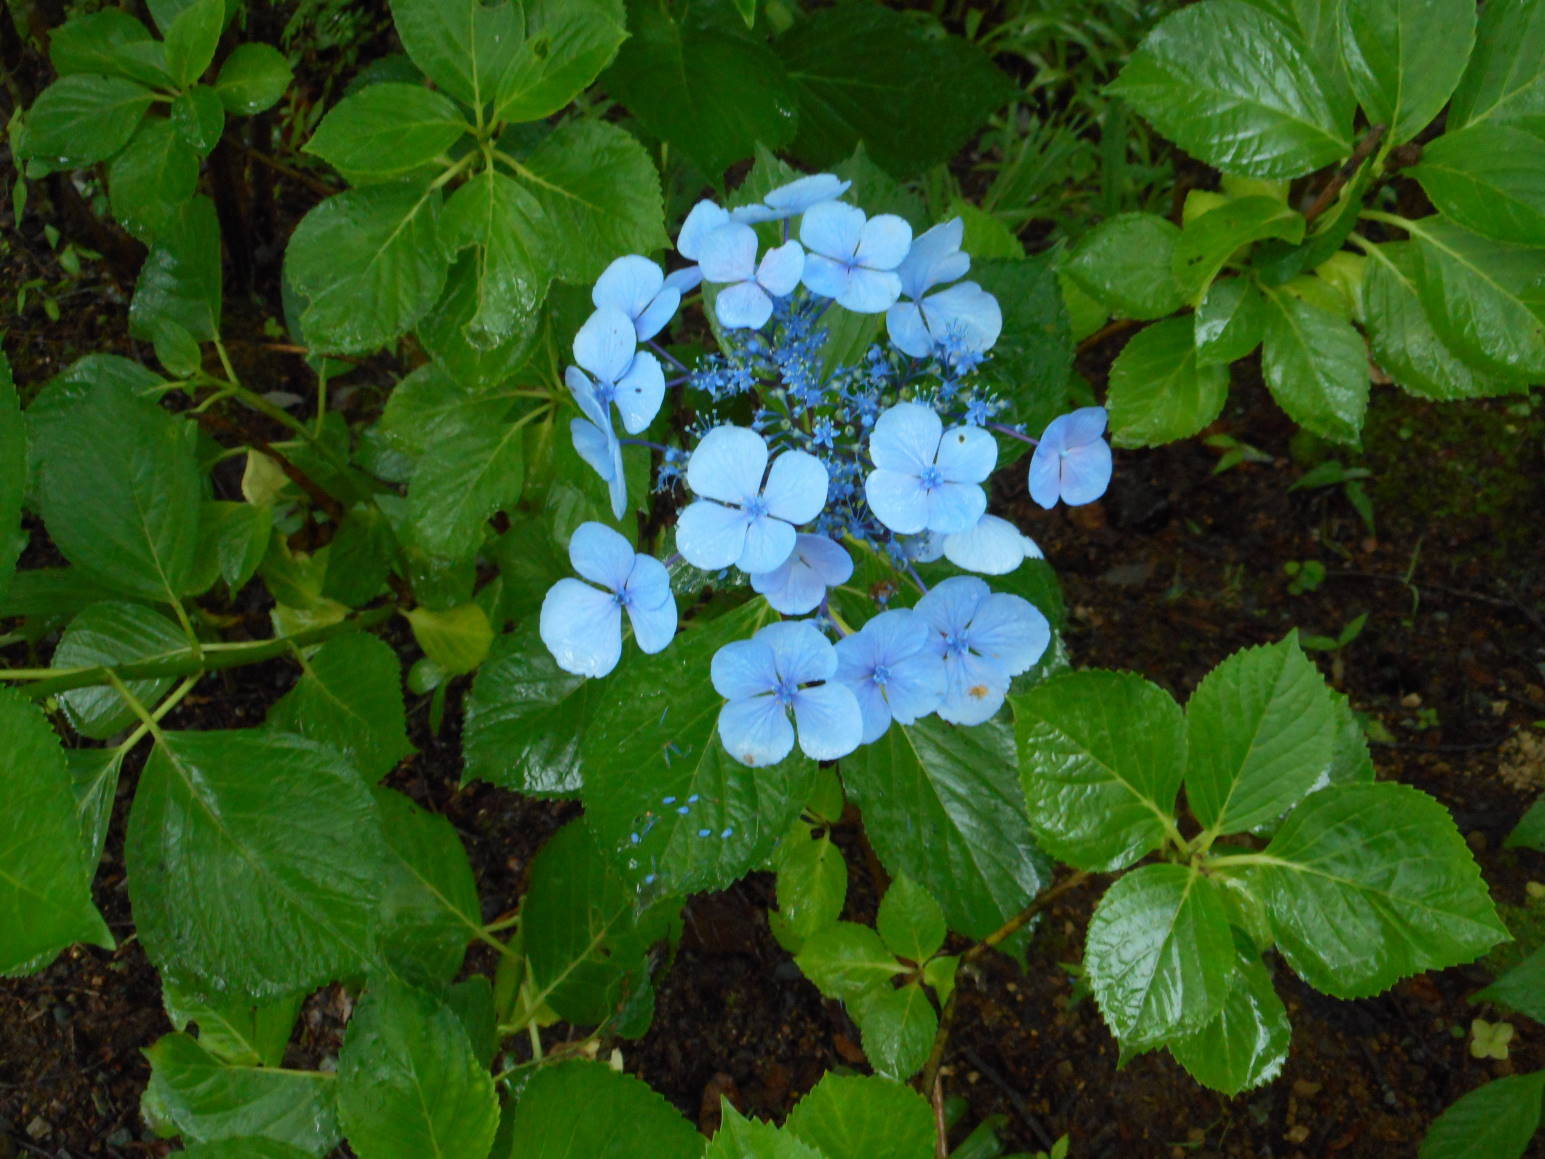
[(622, 597), (882, 675), (931, 478), (605, 392), (956, 644), (756, 506), (784, 690)]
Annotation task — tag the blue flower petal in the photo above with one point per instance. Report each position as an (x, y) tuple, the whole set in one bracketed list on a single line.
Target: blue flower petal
[(684, 280), (906, 438), (883, 243), (953, 507), (934, 259), (993, 547), (605, 344), (1086, 472), (800, 653), (744, 668), (712, 536), (824, 276), (977, 686), (743, 306), (583, 390), (594, 445), (756, 731), (601, 555), (1084, 425), (966, 455), (629, 284), (1046, 474), (833, 230), (897, 500), (916, 687), (780, 269), (1010, 630), (908, 332), (966, 314), (805, 193), (800, 583), (640, 392), (768, 542), (655, 315), (870, 291), (796, 487), (728, 254), (727, 465), (582, 628), (949, 605), (703, 219), (652, 611), (828, 720)]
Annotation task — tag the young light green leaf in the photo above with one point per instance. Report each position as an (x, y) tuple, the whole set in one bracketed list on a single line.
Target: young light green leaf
[(1490, 179), (1158, 391), (349, 696), (13, 475), (1237, 89), (45, 882), (108, 634), (910, 921), (383, 131), (846, 959), (897, 1028), (191, 39), (1101, 755), (1405, 58), (82, 119), (1505, 80), (429, 903), (1246, 1044), (370, 264), (600, 196), (579, 1110), (1208, 241), (207, 1101), (742, 1138), (457, 639), (568, 43), (409, 1084), (1259, 730), (1496, 1119), (253, 78), (866, 1115), (942, 805), (1128, 264), (241, 880), (179, 284), (146, 183), (502, 223), (812, 883), (108, 43), (467, 48), (1368, 884), (1159, 955), (1316, 365), (1229, 322)]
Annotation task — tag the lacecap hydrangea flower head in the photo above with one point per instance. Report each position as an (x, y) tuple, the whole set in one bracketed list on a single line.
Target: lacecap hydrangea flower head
[(889, 457)]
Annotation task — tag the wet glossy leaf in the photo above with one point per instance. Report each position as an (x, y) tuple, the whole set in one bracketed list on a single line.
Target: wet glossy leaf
[(812, 883), (191, 39), (180, 282), (467, 48), (1405, 57), (349, 696), (1490, 179), (1230, 322), (578, 1110), (910, 921), (1210, 240), (253, 78), (1158, 391), (156, 172), (457, 639), (1368, 884), (897, 1029), (429, 902), (82, 119), (1246, 1044), (109, 634), (94, 777), (1127, 263), (1316, 365), (568, 43), (1496, 1119), (1505, 80), (200, 117), (1485, 298), (108, 43), (502, 223), (866, 1115), (846, 959), (384, 131)]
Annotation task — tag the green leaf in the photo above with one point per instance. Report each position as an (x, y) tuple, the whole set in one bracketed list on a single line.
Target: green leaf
[(457, 639), (846, 959), (525, 719), (45, 882), (1238, 90), (238, 535), (79, 120), (1505, 80), (812, 882), (349, 696), (579, 1110), (897, 1028), (910, 921), (878, 1118), (942, 805), (1229, 322), (1259, 729), (200, 117), (1246, 1044), (13, 475), (1101, 756), (466, 47), (653, 748), (1529, 832), (568, 43), (236, 1032), (446, 331), (1316, 365), (206, 1101), (1159, 955), (1490, 179), (844, 63), (464, 478), (1485, 298), (703, 85), (1128, 264), (1033, 359), (94, 777), (253, 78), (108, 43), (1405, 58), (409, 1084), (179, 284), (1403, 339), (110, 634), (118, 488), (1496, 1119), (1368, 884), (151, 178), (384, 131), (371, 264), (503, 224), (243, 1147), (600, 195), (1158, 392), (742, 1138), (1208, 241), (586, 942), (1522, 988), (191, 39), (255, 862)]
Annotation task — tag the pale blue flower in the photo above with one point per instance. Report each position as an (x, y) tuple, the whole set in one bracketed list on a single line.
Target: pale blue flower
[(927, 478), (893, 669), (786, 667), (607, 347), (702, 219), (965, 318), (993, 547), (595, 440), (985, 639), (799, 584), (934, 259), (729, 259), (853, 259), (1072, 462), (639, 288), (793, 199), (582, 625), (741, 520)]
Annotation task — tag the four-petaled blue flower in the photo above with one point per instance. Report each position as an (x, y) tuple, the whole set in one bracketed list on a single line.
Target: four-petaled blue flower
[(702, 219), (786, 667), (640, 289), (893, 669), (927, 478), (582, 625), (595, 440), (853, 259), (740, 520), (1072, 462), (728, 255), (985, 639), (794, 198), (965, 318), (607, 347), (799, 584)]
